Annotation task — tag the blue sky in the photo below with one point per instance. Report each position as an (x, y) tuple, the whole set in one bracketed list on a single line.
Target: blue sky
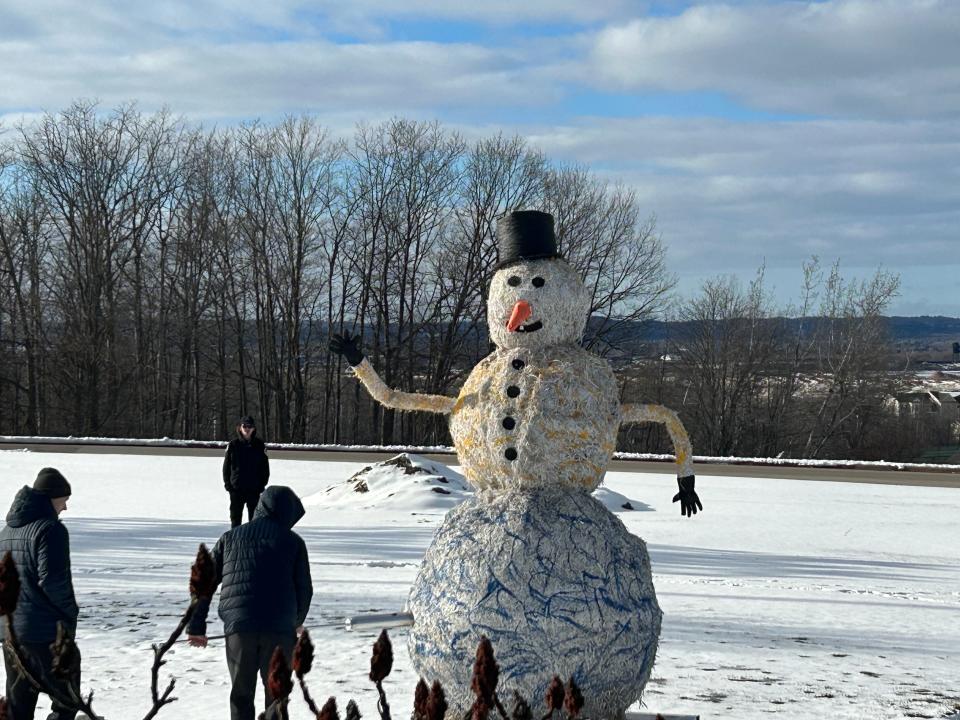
[(756, 131)]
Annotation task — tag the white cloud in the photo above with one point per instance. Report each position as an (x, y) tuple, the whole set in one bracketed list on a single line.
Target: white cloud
[(253, 79), (874, 180), (130, 22), (859, 58), (496, 12), (729, 196)]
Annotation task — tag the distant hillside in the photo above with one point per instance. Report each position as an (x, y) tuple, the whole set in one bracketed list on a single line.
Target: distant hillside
[(924, 328)]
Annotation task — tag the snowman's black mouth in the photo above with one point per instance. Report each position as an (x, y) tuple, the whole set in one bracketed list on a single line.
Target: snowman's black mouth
[(532, 327)]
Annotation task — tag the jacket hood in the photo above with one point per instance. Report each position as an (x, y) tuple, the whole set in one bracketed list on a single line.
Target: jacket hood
[(280, 503), (29, 505)]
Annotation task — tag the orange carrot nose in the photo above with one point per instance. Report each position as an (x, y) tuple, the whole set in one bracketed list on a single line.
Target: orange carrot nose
[(521, 311)]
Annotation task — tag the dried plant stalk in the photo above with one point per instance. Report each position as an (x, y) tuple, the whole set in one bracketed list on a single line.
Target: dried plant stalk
[(381, 663), (420, 696), (554, 698), (521, 710), (353, 712), (573, 699), (302, 664), (436, 702)]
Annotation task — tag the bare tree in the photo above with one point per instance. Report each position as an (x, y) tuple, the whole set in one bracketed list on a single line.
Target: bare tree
[(726, 342), (621, 256), (24, 247), (409, 178), (97, 176), (338, 228), (306, 168), (850, 360)]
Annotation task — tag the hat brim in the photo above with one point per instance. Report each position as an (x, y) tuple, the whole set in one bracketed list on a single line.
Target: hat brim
[(517, 260)]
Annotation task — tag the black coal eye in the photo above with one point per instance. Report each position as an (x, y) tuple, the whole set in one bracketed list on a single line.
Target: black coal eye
[(514, 280), (538, 282)]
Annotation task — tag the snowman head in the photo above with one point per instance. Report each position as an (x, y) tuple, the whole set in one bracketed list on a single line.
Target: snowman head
[(536, 298)]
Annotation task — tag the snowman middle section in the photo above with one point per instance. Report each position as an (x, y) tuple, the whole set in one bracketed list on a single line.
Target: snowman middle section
[(558, 585), (537, 417)]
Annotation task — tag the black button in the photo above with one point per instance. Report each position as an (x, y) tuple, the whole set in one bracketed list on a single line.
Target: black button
[(518, 364), (510, 454), (509, 423), (513, 391)]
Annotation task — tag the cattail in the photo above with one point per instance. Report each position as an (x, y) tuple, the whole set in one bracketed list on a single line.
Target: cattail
[(66, 654), (573, 699), (353, 712), (381, 662), (279, 679), (9, 584), (203, 578), (4, 712), (436, 702), (303, 655), (329, 710), (485, 673), (521, 710), (555, 695), (420, 695)]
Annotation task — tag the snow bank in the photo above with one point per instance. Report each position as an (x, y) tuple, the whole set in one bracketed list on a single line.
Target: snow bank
[(447, 450), (405, 483), (412, 483)]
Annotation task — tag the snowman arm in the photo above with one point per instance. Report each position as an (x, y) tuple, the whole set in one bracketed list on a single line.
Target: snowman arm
[(396, 399), (636, 413)]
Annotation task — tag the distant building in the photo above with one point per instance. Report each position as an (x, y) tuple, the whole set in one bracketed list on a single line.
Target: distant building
[(920, 401)]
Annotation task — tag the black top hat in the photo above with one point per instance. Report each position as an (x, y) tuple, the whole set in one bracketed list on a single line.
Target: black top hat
[(525, 235)]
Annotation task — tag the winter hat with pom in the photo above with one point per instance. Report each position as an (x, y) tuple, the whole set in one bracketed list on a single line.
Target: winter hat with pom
[(52, 483)]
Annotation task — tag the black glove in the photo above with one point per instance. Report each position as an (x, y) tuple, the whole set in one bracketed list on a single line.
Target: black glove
[(689, 502), (347, 346)]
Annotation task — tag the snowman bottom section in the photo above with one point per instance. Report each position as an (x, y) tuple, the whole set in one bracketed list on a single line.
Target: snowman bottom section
[(558, 585)]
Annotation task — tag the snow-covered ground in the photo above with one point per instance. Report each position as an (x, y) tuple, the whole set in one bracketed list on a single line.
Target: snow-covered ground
[(807, 599)]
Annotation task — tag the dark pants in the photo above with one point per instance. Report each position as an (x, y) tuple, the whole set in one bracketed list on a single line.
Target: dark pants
[(22, 696), (237, 501), (247, 655)]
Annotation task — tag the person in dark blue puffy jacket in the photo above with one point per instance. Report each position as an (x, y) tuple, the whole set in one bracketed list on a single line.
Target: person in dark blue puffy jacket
[(40, 546), (264, 573)]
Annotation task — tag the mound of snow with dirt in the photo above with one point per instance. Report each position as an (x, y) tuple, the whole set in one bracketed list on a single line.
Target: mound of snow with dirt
[(406, 482), (615, 502), (412, 483)]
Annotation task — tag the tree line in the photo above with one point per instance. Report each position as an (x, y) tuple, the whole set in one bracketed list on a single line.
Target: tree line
[(814, 380), (161, 279)]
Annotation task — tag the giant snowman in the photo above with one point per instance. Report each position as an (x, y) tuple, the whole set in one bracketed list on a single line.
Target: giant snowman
[(533, 561)]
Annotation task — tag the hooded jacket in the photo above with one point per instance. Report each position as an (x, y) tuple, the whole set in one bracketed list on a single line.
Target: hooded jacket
[(263, 570), (40, 545), (246, 467)]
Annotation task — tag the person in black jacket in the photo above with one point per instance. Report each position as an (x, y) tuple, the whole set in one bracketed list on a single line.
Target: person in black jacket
[(265, 594), (40, 546), (246, 470)]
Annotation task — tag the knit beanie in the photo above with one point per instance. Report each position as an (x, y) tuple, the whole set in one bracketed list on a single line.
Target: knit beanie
[(52, 483)]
